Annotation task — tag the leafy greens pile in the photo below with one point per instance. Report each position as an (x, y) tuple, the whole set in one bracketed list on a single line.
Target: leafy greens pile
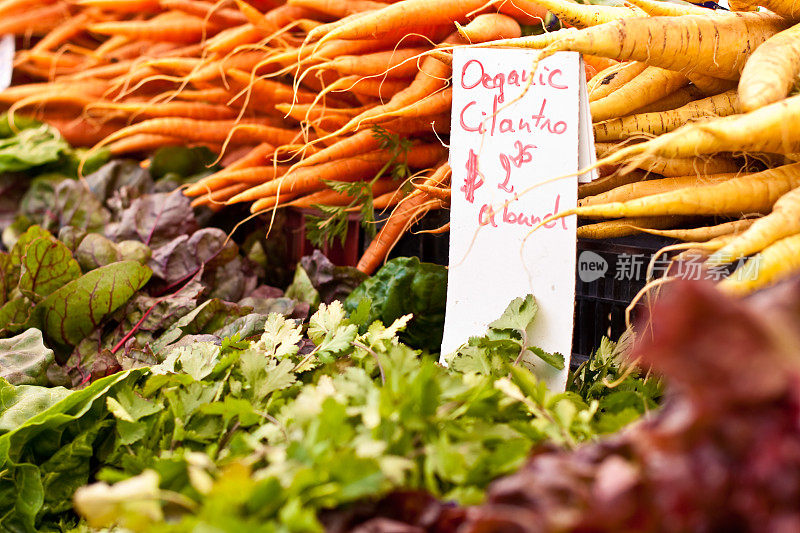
[(108, 272), (262, 435)]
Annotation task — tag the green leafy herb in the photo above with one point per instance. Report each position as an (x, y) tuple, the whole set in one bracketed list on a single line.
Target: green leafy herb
[(333, 222), (622, 392), (506, 344)]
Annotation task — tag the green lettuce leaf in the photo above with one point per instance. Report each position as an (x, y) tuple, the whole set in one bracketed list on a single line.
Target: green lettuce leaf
[(403, 286), (24, 359), (31, 148), (48, 437)]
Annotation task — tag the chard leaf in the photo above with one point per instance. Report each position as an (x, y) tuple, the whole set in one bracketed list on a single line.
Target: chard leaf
[(18, 250), (406, 286), (24, 359), (18, 404), (302, 289), (14, 314), (207, 318), (46, 267), (73, 311), (95, 251), (75, 205), (183, 255), (330, 281), (116, 175), (155, 219)]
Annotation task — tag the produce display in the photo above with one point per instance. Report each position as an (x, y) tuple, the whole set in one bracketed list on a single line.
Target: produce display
[(151, 379), (167, 365), (342, 106)]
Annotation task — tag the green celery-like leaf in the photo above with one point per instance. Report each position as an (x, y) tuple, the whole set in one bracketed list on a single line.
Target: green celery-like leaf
[(76, 309), (518, 316), (281, 337), (556, 360), (330, 331)]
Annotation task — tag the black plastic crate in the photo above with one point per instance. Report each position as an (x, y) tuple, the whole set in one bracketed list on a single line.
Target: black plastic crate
[(600, 304)]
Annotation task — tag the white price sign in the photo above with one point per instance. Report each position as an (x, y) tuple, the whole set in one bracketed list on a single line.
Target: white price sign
[(6, 60), (510, 133)]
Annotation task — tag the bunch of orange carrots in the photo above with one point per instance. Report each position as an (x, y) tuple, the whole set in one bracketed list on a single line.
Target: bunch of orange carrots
[(694, 124)]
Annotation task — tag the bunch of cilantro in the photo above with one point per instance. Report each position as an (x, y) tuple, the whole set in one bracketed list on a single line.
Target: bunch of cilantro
[(264, 435)]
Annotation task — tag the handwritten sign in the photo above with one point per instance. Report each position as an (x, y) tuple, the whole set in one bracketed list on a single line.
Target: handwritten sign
[(6, 60), (499, 148)]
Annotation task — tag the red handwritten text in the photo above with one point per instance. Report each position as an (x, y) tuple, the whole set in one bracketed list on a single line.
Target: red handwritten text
[(506, 161), (473, 180), (473, 120), (474, 73), (488, 216)]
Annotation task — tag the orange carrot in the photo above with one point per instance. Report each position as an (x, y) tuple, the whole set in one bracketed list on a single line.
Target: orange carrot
[(250, 176), (398, 63), (225, 17), (37, 21), (401, 17), (338, 8), (397, 223), (363, 166), (94, 88), (193, 110), (123, 6), (366, 140), (219, 196), (62, 33), (185, 29), (207, 131), (227, 40), (529, 14), (268, 91), (144, 142), (258, 156), (272, 202), (81, 132), (433, 74), (331, 197), (389, 199)]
